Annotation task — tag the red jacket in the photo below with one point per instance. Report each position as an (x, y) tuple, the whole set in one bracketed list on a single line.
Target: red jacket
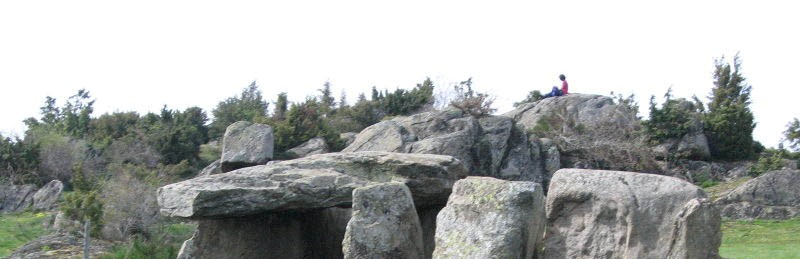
[(564, 88)]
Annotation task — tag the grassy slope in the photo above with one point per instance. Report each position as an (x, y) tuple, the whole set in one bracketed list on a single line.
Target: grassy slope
[(17, 229), (761, 239)]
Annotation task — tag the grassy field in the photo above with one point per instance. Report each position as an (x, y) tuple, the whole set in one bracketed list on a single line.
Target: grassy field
[(17, 229), (761, 239)]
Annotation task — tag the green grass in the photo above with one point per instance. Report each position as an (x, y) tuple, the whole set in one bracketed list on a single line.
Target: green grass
[(716, 191), (165, 244), (761, 239), (19, 228)]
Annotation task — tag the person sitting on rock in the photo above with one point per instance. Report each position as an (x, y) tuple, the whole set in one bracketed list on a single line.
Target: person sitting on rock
[(559, 92), (553, 93)]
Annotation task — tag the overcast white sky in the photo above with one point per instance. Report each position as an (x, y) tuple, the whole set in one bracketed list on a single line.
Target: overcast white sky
[(140, 55)]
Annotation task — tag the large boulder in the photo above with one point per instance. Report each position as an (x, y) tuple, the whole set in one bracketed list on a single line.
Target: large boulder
[(14, 198), (590, 131), (313, 146), (773, 195), (384, 224), (313, 182), (46, 198), (611, 214), (491, 218), (487, 146), (246, 144)]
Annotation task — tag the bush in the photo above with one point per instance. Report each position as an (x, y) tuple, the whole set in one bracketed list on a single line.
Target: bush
[(84, 203), (533, 96), (165, 243), (131, 206), (471, 102), (247, 106), (672, 121), (19, 161), (768, 161)]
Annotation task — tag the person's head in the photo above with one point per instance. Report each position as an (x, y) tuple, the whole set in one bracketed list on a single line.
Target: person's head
[(562, 77)]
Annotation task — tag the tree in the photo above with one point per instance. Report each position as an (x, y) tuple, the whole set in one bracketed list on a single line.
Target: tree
[(671, 121), (72, 119), (248, 106), (343, 100), (327, 101), (792, 134), (176, 135), (281, 105), (303, 122), (729, 122), (19, 160)]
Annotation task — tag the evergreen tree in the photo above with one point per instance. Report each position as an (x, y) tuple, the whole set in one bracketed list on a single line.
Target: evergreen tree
[(671, 121), (248, 106), (326, 97), (343, 100), (281, 106), (729, 122), (792, 134)]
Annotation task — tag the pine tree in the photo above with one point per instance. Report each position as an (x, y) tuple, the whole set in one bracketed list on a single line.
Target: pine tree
[(281, 106), (729, 122), (792, 134), (326, 98)]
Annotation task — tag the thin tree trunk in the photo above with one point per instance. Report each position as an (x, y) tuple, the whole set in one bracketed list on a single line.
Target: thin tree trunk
[(86, 239)]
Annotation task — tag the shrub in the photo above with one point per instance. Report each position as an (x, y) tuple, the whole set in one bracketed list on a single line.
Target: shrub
[(768, 161), (533, 96), (673, 120), (84, 203), (471, 102)]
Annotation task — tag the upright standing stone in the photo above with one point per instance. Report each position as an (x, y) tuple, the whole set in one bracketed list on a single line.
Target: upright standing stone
[(491, 218), (384, 224), (246, 144), (611, 214), (46, 198)]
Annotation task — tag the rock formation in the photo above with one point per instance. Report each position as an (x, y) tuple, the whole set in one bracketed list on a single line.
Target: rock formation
[(491, 218), (313, 146), (46, 198), (14, 198), (613, 214), (288, 209), (384, 224), (590, 131), (773, 195), (488, 146), (246, 144)]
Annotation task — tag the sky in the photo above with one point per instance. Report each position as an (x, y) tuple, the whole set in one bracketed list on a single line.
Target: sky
[(142, 55)]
